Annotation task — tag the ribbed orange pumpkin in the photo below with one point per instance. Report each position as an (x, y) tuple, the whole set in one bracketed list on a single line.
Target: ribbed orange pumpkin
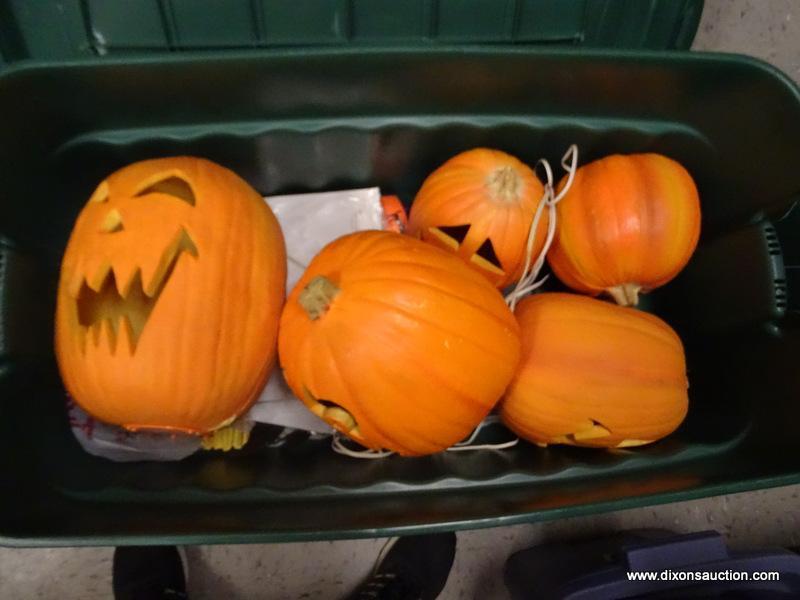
[(170, 294), (480, 205), (627, 224), (594, 374), (395, 343)]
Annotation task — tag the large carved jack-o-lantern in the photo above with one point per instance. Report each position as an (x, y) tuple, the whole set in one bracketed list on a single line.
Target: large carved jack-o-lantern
[(170, 293), (480, 205)]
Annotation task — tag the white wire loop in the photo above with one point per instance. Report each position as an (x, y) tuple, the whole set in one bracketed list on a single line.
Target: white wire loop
[(338, 445), (527, 281)]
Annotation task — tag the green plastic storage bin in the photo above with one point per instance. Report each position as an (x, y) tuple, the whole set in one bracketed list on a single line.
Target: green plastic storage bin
[(302, 119), (60, 29)]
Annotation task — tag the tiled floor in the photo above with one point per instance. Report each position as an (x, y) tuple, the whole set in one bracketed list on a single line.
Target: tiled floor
[(769, 29)]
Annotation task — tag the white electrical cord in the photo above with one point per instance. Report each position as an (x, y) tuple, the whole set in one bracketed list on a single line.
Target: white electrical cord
[(527, 282), (467, 444), (338, 446)]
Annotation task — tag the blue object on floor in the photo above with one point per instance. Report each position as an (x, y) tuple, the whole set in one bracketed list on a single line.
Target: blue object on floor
[(598, 569)]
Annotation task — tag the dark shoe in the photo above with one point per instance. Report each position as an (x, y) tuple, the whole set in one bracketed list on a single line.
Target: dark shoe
[(416, 568), (148, 573)]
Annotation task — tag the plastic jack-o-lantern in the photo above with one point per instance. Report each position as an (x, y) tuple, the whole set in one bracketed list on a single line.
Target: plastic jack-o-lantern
[(169, 299), (480, 205)]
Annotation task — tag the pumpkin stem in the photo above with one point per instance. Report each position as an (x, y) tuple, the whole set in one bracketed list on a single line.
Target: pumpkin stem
[(504, 184), (626, 294), (317, 296)]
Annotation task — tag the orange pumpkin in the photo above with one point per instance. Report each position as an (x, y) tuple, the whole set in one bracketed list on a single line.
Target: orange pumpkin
[(169, 299), (594, 374), (395, 343), (628, 224), (480, 204)]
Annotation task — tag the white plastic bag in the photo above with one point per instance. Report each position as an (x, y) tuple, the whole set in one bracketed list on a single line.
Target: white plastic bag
[(311, 221), (117, 444)]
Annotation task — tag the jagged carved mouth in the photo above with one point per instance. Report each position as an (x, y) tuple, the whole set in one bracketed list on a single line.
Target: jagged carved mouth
[(117, 310), (594, 430)]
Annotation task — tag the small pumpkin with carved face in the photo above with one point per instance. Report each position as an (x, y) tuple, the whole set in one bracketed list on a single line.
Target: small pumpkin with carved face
[(480, 205), (395, 343), (170, 293), (594, 374)]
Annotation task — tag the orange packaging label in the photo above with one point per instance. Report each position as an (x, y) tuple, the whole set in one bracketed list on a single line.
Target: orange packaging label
[(394, 214)]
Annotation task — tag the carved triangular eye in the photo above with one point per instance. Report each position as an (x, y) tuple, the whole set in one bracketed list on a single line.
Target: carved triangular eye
[(101, 193), (457, 232), (486, 251), (171, 185)]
